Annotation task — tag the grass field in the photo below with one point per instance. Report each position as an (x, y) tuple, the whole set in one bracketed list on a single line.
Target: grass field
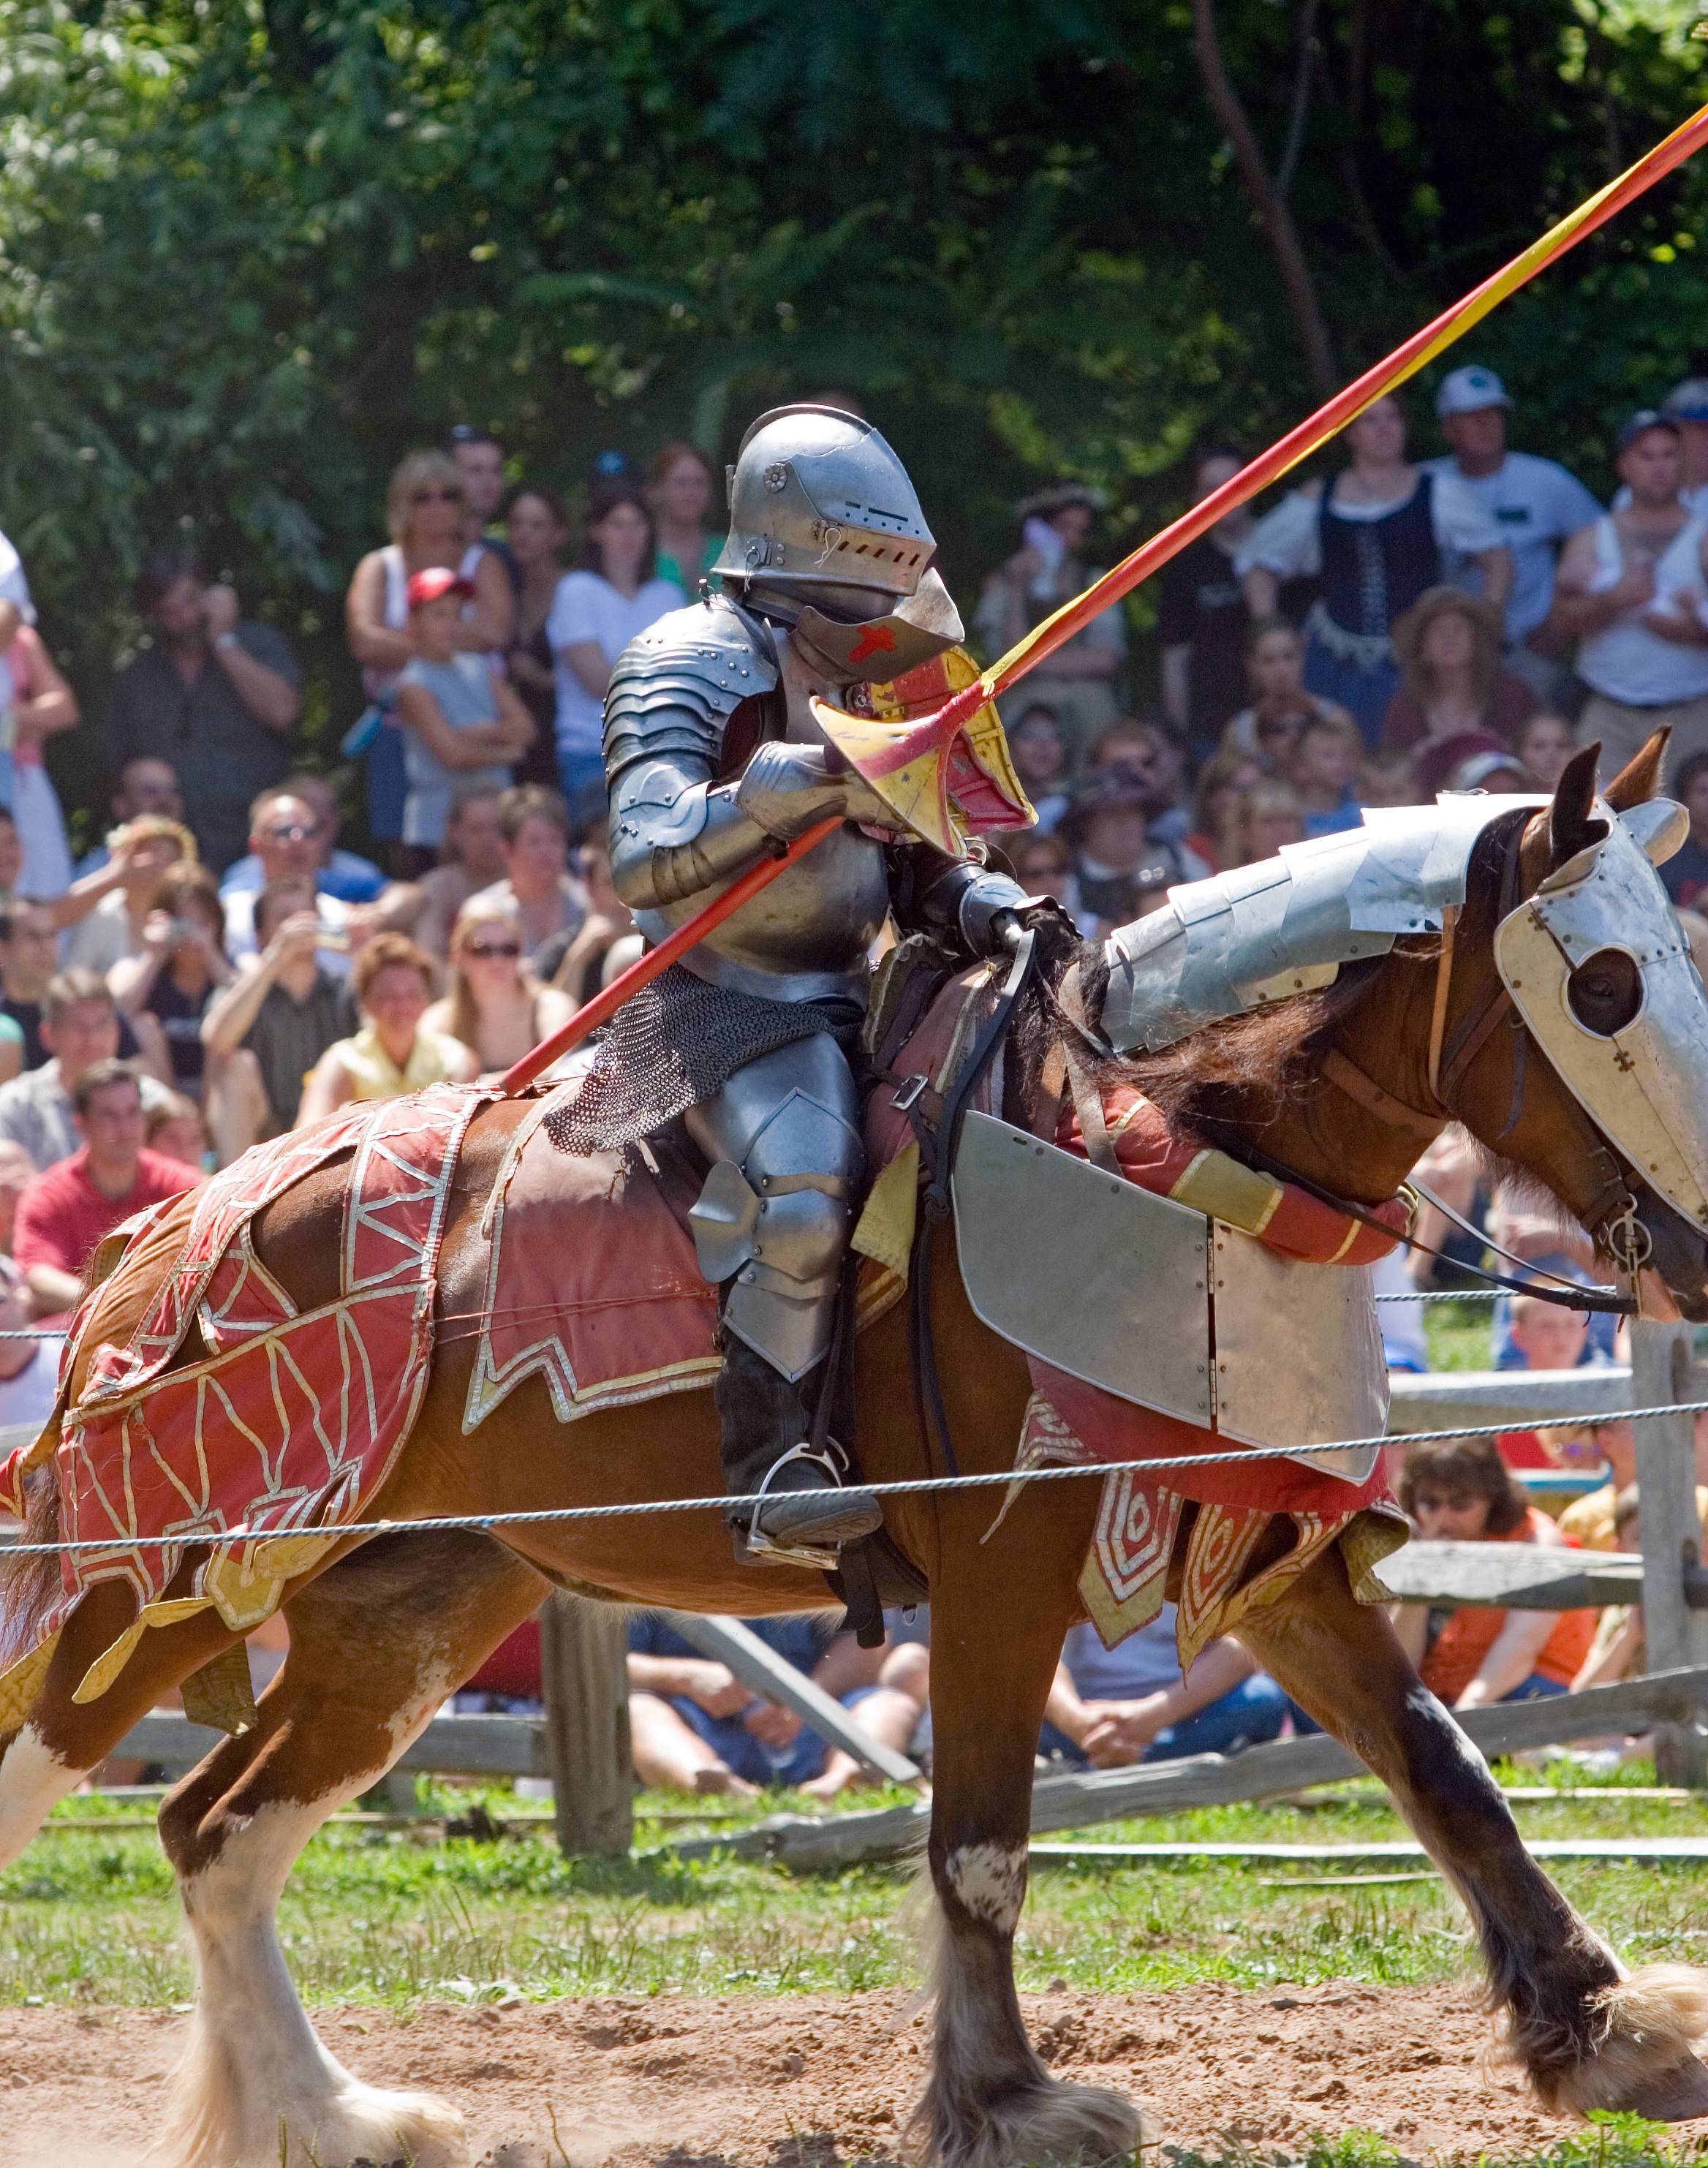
[(395, 1919)]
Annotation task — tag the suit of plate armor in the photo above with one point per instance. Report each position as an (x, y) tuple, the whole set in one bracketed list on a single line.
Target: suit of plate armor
[(827, 580)]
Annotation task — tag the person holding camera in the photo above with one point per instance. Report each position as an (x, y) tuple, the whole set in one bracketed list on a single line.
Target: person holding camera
[(181, 965)]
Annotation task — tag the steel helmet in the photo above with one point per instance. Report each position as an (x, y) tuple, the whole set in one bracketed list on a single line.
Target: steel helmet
[(826, 528)]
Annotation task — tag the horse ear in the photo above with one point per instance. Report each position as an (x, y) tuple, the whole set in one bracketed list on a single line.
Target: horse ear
[(1571, 826), (1640, 779)]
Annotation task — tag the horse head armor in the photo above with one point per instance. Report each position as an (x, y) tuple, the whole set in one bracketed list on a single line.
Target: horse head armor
[(1595, 961)]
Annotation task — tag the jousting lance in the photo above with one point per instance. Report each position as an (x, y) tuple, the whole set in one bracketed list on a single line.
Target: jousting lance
[(883, 756)]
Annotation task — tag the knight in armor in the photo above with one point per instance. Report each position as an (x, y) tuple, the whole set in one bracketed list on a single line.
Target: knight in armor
[(713, 760)]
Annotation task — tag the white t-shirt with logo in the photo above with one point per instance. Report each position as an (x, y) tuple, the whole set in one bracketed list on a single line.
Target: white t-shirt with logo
[(586, 607), (1537, 505)]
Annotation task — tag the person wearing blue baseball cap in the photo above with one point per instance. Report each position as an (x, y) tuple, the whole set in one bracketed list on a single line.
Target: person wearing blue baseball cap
[(1633, 591), (1537, 504)]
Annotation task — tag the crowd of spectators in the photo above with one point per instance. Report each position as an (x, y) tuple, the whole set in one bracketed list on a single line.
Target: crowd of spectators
[(218, 968)]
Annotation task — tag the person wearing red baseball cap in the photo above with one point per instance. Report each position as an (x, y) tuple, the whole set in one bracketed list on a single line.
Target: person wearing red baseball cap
[(462, 721)]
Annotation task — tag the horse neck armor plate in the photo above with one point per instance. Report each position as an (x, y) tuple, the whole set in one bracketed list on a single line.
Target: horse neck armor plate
[(1285, 925)]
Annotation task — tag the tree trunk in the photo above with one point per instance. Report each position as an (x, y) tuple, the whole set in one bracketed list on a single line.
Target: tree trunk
[(1277, 220)]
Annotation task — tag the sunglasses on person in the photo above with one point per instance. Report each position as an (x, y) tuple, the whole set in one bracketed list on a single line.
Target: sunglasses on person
[(511, 949), (298, 831), (1277, 730), (438, 493)]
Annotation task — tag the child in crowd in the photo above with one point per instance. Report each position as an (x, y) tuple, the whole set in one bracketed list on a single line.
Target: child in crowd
[(1280, 707), (462, 721), (1323, 771)]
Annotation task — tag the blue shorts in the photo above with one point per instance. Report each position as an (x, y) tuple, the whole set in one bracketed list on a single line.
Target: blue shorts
[(1245, 1717), (734, 1746)]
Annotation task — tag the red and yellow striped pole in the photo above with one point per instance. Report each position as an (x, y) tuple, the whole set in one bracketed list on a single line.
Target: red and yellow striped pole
[(931, 737)]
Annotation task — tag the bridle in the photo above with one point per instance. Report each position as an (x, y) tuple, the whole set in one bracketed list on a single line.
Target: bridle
[(1611, 1213)]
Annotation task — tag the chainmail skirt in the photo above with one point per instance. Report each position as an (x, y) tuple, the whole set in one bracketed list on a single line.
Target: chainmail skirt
[(674, 1045)]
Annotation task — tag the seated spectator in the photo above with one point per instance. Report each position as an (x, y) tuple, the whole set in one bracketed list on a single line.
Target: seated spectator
[(1618, 1650), (1048, 569), (142, 854), (1145, 752), (579, 964), (495, 1006), (29, 1369), (64, 1212), (270, 1025), (79, 1029), (1543, 1336), (177, 1131), (216, 693), (146, 785), (1041, 760), (1110, 1708), (346, 874), (1685, 875), (1114, 858), (1220, 780), (1323, 772), (1545, 745), (1590, 1520), (29, 957), (1388, 778), (289, 837), (17, 1169), (41, 704), (1260, 821), (181, 968), (473, 859), (1453, 688), (1280, 707), (461, 720), (697, 1729), (1460, 1491), (393, 1052), (533, 831), (1044, 866)]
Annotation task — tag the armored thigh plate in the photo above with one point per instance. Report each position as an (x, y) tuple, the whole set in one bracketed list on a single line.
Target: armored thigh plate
[(1160, 1305), (771, 1222)]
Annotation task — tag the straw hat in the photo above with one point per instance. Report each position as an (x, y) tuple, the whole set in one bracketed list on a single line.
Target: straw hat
[(1409, 629)]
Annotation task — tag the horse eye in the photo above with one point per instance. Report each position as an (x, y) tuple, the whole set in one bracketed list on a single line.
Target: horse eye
[(1606, 991)]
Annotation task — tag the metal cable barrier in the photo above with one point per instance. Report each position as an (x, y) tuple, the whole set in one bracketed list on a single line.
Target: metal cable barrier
[(910, 1487)]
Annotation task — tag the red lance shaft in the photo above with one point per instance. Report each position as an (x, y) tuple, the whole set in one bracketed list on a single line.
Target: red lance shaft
[(936, 733)]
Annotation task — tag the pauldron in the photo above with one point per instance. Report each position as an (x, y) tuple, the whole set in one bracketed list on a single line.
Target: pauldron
[(676, 685)]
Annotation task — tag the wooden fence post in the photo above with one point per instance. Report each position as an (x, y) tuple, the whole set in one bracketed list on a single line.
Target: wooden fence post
[(1674, 1634), (583, 1649)]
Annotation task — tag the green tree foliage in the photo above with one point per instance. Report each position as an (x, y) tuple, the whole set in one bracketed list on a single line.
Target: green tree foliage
[(253, 250)]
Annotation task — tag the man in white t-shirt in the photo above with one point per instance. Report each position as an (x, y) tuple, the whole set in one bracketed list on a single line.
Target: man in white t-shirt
[(1537, 504)]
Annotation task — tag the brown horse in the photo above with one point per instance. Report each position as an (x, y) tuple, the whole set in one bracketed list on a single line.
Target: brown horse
[(381, 1631)]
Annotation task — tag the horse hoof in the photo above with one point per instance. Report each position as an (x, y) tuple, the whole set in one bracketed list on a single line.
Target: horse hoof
[(1676, 2095)]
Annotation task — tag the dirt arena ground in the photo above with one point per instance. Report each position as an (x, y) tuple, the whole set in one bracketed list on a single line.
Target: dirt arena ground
[(798, 2082)]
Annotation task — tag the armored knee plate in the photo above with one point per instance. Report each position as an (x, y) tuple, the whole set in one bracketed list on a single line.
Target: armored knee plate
[(771, 1222)]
